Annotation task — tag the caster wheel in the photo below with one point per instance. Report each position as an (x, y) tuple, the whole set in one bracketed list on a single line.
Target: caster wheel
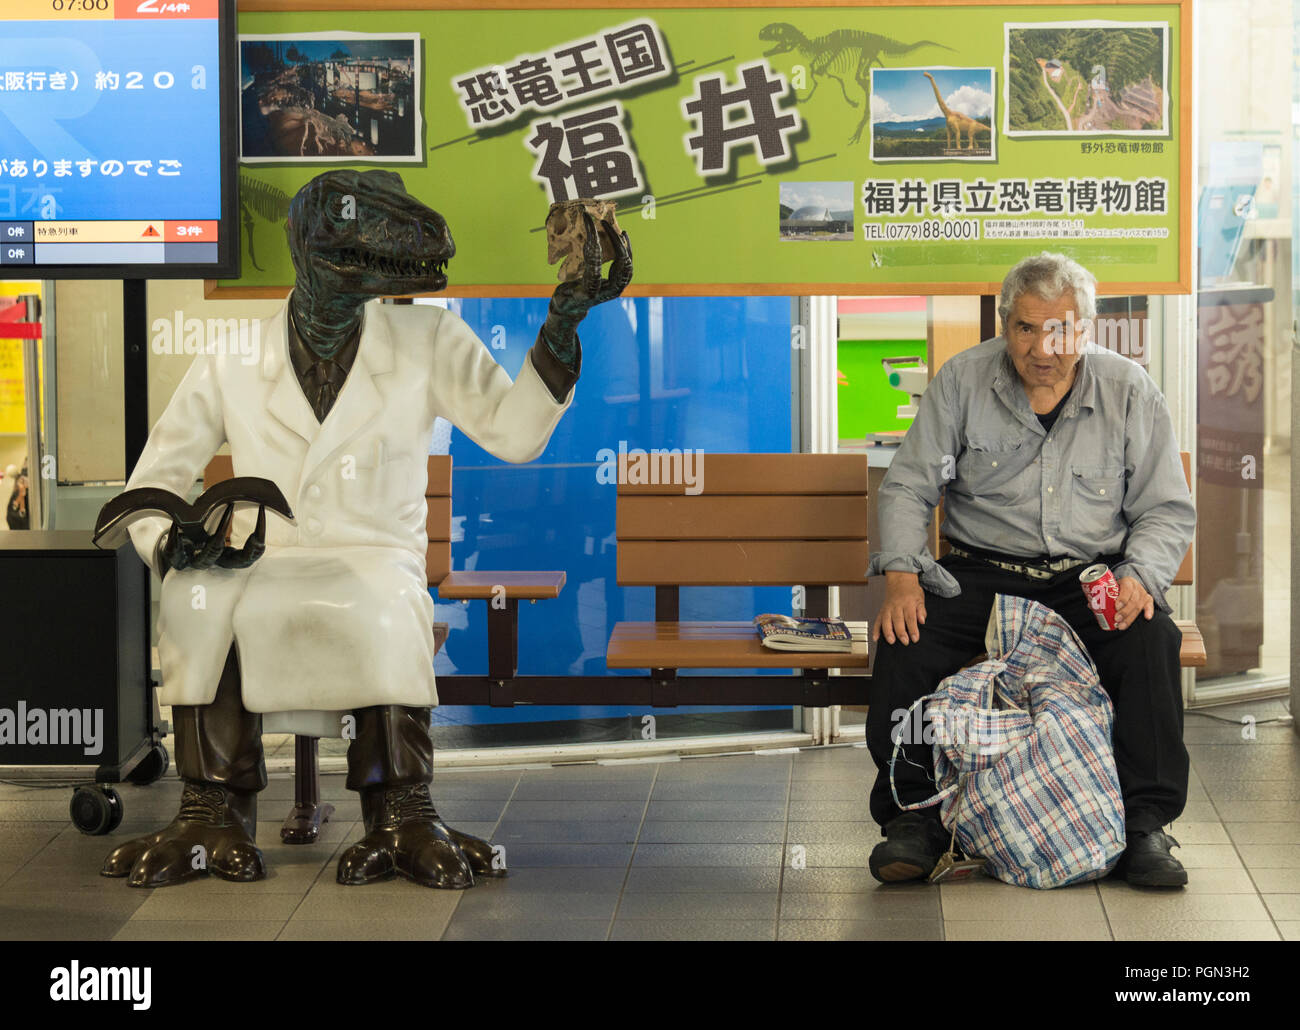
[(95, 810), (152, 767), (115, 801)]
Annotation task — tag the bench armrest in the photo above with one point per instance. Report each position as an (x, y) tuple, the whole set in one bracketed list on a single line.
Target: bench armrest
[(529, 586)]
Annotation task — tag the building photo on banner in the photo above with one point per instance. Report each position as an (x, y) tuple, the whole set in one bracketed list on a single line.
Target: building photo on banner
[(731, 471)]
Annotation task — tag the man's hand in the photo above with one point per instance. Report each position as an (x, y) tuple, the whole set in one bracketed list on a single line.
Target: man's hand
[(1133, 598), (903, 610)]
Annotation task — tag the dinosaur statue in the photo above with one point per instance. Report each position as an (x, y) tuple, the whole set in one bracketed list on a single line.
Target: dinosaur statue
[(331, 614), (840, 53), (957, 122)]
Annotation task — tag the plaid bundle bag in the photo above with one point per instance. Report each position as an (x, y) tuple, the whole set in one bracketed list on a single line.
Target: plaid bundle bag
[(1022, 754)]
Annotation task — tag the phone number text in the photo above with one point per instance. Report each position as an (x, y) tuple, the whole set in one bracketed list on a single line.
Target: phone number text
[(928, 229)]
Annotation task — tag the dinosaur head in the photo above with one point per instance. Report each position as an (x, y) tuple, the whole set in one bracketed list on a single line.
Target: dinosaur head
[(360, 234), (783, 34)]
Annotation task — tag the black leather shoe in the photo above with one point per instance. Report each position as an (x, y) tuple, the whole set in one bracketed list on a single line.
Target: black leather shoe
[(1146, 861), (915, 843)]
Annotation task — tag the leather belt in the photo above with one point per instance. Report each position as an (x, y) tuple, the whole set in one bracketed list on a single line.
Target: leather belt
[(1038, 570)]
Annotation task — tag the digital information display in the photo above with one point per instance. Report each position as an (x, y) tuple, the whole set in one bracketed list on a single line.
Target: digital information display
[(110, 135)]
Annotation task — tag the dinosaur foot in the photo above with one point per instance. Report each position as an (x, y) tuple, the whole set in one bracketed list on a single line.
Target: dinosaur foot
[(422, 852), (477, 852), (405, 836), (207, 836)]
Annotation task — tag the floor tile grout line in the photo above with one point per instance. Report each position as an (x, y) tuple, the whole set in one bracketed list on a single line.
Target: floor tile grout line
[(636, 842), (315, 880), (23, 865), (451, 916), (1105, 912), (1236, 848), (785, 850)]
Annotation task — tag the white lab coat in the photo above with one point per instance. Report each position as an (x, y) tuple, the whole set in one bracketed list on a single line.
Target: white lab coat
[(336, 614)]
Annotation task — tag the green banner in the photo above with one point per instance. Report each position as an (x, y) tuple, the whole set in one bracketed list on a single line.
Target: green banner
[(765, 150)]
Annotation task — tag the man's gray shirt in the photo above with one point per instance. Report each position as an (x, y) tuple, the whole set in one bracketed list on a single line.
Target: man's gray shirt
[(1107, 478)]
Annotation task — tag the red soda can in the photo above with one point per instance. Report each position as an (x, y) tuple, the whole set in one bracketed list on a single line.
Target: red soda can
[(1101, 588)]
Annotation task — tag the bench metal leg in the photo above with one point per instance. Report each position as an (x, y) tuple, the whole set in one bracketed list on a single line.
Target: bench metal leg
[(302, 825), (503, 650)]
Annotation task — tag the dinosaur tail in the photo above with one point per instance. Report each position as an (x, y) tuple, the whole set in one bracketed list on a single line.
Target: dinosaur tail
[(899, 49)]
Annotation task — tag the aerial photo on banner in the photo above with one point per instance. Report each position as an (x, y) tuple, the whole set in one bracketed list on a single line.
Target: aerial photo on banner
[(1088, 78)]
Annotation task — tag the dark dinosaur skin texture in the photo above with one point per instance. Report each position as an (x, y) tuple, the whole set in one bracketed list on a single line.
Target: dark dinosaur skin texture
[(355, 236)]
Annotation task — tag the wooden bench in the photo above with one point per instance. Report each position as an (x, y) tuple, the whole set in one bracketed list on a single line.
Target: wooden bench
[(760, 520)]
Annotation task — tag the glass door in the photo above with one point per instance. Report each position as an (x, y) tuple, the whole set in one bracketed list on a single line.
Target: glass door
[(1244, 314)]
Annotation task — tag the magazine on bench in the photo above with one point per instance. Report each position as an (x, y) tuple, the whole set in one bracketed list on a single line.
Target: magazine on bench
[(788, 633)]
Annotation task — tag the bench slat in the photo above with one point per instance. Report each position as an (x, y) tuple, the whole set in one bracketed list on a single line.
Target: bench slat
[(437, 561), (437, 524), (724, 518), (757, 474), (742, 563), (439, 484), (712, 645), (1192, 653)]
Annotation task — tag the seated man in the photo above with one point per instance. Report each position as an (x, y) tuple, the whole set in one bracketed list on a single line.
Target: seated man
[(1053, 454)]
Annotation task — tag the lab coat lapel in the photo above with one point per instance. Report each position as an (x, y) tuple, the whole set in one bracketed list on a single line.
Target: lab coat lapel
[(287, 401), (359, 402)]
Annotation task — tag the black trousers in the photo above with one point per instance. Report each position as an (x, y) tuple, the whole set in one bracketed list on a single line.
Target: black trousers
[(221, 742), (1138, 668)]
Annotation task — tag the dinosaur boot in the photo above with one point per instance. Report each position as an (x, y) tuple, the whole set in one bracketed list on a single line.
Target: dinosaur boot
[(212, 833), (391, 764), (219, 758)]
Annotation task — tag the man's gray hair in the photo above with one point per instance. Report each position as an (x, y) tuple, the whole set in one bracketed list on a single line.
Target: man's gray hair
[(1049, 275)]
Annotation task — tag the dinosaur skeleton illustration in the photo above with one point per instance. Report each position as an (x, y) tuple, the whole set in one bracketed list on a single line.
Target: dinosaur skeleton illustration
[(838, 54), (265, 200)]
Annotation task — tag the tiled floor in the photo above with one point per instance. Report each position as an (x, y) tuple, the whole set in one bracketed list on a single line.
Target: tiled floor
[(755, 847)]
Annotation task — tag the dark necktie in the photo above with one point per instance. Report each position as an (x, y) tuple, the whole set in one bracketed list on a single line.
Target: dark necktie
[(323, 382)]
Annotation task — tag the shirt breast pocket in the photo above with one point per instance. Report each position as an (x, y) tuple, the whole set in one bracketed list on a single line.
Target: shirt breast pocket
[(994, 470), (1096, 494)]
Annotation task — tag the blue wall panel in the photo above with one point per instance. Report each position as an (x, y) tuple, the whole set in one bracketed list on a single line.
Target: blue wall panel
[(701, 373)]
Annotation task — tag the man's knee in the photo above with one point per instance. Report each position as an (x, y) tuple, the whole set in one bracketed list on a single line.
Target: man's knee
[(1157, 635)]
